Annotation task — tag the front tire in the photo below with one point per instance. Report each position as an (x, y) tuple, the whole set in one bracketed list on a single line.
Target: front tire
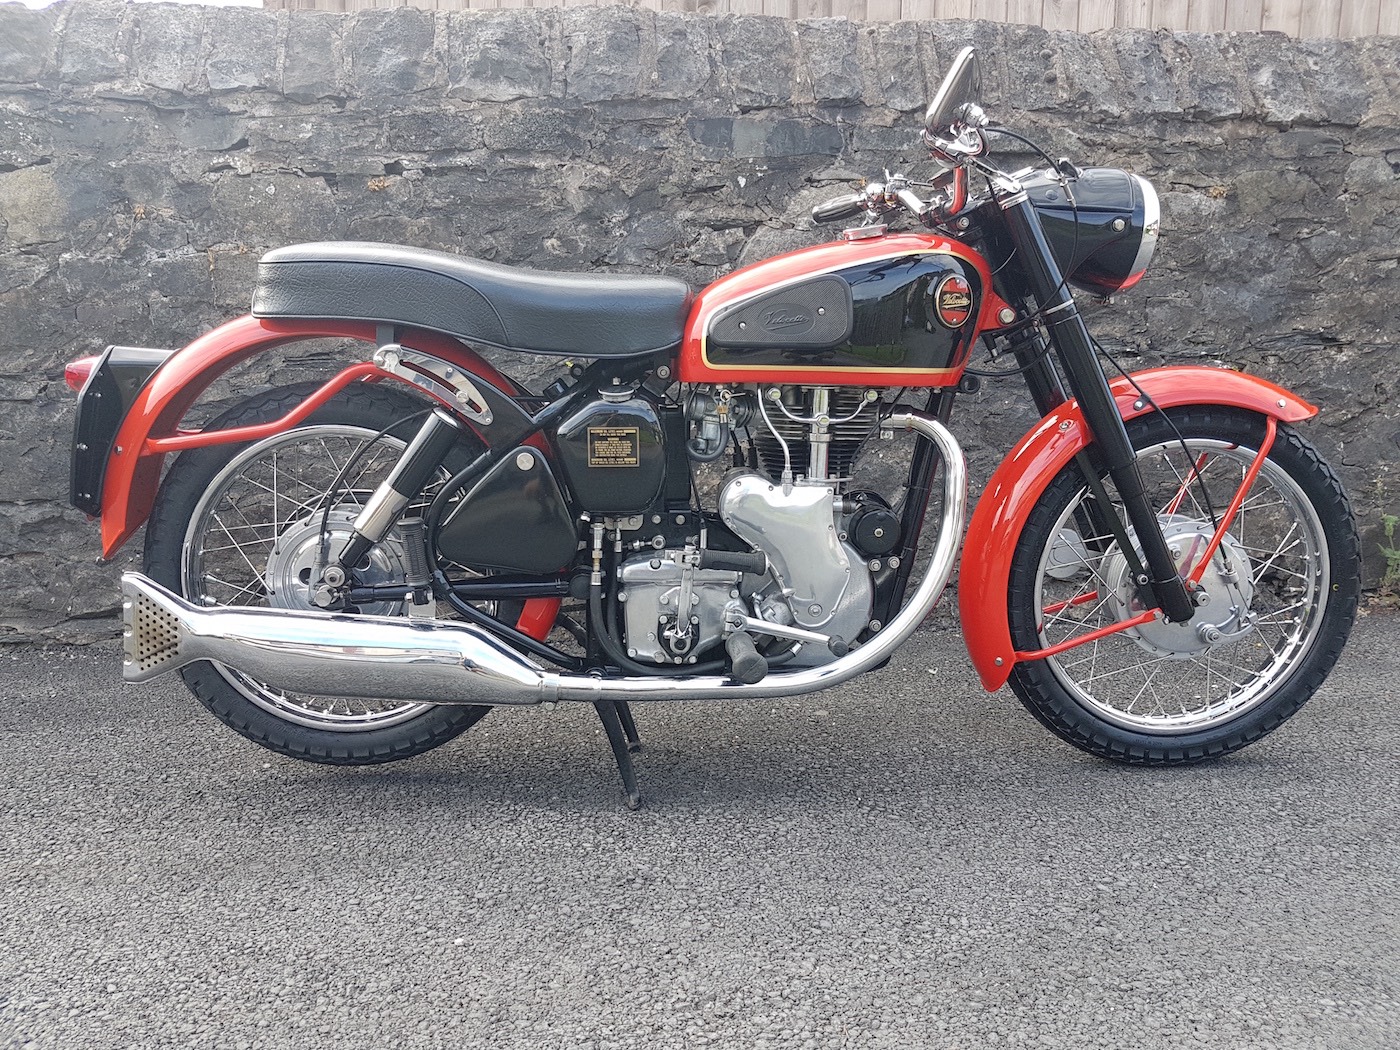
[(1282, 593), (232, 525)]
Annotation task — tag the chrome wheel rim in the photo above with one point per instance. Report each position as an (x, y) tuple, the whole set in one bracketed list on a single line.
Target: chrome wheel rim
[(1277, 553), (267, 491)]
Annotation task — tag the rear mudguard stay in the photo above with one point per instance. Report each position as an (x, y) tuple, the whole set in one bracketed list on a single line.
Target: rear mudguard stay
[(1006, 503), (133, 470)]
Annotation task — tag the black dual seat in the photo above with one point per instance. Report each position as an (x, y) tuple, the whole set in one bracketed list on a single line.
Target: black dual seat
[(583, 314)]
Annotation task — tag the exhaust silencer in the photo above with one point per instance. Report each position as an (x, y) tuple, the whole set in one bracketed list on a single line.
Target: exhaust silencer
[(364, 657)]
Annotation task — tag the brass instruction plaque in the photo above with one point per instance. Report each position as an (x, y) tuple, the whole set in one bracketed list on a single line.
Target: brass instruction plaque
[(614, 446)]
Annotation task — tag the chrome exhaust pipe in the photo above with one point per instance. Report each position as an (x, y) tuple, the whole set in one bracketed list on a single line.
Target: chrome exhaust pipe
[(324, 654), (392, 658)]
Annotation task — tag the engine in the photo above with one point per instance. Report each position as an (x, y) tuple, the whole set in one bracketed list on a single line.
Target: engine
[(810, 592)]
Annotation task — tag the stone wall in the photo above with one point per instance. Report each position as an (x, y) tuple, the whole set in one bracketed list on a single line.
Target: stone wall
[(149, 154)]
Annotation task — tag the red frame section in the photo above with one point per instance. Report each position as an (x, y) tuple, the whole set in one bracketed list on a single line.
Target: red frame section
[(151, 428), (1029, 468), (810, 262)]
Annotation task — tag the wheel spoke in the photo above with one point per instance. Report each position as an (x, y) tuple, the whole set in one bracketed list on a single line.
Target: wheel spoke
[(264, 492)]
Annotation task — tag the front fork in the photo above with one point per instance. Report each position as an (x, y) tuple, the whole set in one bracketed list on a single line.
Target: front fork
[(1089, 386)]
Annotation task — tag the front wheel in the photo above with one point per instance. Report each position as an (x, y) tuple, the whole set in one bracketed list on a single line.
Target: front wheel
[(1277, 601), (243, 525)]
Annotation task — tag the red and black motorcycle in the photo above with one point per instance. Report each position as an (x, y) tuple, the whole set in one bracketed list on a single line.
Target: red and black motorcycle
[(1162, 568)]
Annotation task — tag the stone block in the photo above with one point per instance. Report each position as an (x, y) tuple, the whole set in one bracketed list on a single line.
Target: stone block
[(25, 139), (435, 130), (830, 50), (242, 51), (33, 205), (1144, 76), (1274, 78), (313, 67), (1380, 58), (761, 137), (267, 209), (26, 43), (500, 58), (536, 130), (95, 38), (892, 55), (167, 47), (391, 52), (606, 56), (758, 59), (1335, 81), (685, 50), (1210, 83)]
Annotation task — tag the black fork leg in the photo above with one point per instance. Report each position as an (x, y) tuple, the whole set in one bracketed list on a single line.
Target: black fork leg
[(1090, 387)]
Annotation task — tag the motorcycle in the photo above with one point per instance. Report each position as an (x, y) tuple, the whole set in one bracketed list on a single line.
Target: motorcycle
[(1163, 569)]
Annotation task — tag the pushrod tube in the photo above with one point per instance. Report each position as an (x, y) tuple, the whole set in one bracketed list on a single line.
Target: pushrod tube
[(1090, 388)]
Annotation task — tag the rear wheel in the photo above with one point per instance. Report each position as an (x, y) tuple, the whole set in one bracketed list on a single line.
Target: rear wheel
[(1280, 595), (242, 525)]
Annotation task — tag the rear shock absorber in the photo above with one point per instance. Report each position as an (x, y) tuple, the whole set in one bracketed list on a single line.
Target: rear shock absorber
[(422, 458)]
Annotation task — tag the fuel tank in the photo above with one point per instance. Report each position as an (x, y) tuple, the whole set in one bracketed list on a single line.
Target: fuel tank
[(890, 310)]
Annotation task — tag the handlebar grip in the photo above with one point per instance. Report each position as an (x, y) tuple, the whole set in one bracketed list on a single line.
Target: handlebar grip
[(839, 208)]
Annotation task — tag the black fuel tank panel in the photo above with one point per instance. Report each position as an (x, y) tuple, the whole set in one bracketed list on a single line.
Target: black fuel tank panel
[(813, 314)]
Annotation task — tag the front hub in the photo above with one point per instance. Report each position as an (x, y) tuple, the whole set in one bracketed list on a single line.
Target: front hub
[(1223, 596)]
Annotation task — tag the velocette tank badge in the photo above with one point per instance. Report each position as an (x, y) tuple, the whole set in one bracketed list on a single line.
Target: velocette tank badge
[(786, 319), (953, 301)]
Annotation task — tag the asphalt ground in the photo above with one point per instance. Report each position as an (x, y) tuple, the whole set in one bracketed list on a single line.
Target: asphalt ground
[(902, 863)]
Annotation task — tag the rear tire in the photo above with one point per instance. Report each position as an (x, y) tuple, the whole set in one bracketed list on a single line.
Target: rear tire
[(206, 485), (1280, 607)]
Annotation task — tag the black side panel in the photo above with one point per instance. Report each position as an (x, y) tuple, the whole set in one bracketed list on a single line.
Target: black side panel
[(514, 520), (102, 406), (917, 311), (815, 314)]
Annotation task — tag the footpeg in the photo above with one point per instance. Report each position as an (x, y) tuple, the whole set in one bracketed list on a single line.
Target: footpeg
[(748, 665)]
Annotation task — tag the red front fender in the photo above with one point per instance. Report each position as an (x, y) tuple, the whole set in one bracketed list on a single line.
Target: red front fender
[(1029, 468)]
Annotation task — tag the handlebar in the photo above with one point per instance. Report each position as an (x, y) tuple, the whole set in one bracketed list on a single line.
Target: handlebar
[(893, 194)]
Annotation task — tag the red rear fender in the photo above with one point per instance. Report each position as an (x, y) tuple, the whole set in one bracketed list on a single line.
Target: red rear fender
[(133, 469)]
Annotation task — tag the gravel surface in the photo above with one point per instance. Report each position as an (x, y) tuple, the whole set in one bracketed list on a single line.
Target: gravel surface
[(903, 863)]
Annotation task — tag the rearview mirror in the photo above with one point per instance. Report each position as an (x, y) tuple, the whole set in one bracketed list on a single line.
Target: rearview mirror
[(962, 85)]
